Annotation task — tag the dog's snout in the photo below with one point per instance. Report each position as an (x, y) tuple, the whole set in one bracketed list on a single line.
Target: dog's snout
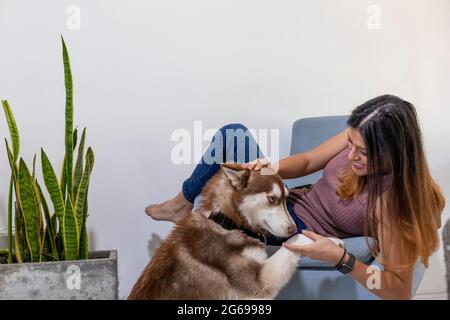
[(292, 229)]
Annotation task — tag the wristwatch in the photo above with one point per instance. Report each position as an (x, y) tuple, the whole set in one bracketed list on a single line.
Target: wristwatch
[(346, 267)]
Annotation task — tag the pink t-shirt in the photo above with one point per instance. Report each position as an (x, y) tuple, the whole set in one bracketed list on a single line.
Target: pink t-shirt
[(324, 212)]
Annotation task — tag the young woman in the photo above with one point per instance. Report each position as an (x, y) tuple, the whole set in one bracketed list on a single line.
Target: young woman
[(376, 182)]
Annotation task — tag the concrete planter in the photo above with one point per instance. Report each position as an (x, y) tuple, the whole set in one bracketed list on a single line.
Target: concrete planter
[(95, 278), (446, 239)]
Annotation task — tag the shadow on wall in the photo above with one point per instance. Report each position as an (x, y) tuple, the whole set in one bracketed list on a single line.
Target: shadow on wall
[(153, 244), (92, 240)]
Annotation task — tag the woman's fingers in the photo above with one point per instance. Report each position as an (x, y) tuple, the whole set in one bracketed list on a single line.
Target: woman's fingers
[(261, 163), (252, 165), (249, 165), (312, 235), (257, 164)]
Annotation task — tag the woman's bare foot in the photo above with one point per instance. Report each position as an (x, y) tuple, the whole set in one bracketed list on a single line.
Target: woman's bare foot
[(171, 210)]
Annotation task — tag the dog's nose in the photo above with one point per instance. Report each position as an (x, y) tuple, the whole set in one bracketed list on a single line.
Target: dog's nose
[(292, 229)]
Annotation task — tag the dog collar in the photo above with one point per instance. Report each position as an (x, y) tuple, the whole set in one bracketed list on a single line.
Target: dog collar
[(228, 224)]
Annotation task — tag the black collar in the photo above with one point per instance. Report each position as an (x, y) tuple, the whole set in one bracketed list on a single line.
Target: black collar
[(228, 224)]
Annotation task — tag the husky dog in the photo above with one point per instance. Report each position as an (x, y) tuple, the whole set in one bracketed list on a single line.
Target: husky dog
[(217, 251)]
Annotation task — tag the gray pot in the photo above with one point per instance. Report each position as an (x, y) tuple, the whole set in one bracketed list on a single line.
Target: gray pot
[(446, 238), (95, 278)]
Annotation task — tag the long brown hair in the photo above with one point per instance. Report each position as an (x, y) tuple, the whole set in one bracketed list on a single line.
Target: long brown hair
[(412, 202)]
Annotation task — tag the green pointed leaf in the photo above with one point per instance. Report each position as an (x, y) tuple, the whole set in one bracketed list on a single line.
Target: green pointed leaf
[(34, 166), (69, 118), (51, 183), (13, 184), (84, 253), (82, 190), (45, 246), (20, 243), (28, 204), (54, 222), (64, 179), (78, 171), (47, 253), (12, 130), (12, 165), (71, 233), (10, 238), (50, 231), (39, 219), (75, 137), (14, 133)]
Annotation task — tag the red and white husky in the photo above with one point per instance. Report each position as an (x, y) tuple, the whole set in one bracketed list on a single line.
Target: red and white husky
[(215, 252)]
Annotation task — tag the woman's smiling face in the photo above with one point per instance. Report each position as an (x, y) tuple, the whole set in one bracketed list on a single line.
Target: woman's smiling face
[(357, 154)]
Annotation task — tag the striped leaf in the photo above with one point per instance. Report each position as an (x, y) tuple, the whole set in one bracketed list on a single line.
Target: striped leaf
[(69, 118), (29, 208), (82, 190), (20, 246), (45, 250), (34, 166), (71, 234), (14, 133), (12, 130), (64, 179), (20, 243), (51, 183), (84, 235), (50, 231), (12, 185), (78, 171), (75, 137), (47, 253), (13, 166), (40, 220), (10, 238), (84, 243)]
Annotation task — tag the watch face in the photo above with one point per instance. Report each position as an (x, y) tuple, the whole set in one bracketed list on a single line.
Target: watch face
[(345, 269)]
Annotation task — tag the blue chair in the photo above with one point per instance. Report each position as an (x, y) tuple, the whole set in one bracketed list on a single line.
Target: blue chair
[(315, 279)]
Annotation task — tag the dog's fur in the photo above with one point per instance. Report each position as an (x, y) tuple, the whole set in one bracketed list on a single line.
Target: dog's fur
[(202, 260)]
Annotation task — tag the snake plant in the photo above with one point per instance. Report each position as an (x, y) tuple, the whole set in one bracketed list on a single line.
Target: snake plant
[(41, 234)]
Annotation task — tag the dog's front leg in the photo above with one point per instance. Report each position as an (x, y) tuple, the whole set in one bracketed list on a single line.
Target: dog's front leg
[(279, 268)]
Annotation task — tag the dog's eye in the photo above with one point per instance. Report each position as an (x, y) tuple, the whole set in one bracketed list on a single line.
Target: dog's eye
[(271, 199)]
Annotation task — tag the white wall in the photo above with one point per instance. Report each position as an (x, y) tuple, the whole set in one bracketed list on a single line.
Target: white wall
[(144, 68)]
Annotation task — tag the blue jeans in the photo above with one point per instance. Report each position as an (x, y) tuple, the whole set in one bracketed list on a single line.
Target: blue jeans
[(231, 143)]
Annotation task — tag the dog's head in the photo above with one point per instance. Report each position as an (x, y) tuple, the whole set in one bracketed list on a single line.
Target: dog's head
[(261, 199)]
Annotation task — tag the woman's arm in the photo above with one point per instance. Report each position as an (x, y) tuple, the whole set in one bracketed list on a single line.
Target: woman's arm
[(391, 284), (304, 163)]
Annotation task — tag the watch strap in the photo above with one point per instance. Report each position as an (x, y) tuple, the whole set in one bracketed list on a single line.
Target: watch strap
[(346, 266)]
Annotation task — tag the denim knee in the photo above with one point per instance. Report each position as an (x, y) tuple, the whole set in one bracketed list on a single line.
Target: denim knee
[(233, 126)]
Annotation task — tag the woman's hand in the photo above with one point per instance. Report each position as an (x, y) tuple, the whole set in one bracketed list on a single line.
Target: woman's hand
[(321, 249), (257, 164)]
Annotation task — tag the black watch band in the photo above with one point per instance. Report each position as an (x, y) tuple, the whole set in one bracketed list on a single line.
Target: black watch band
[(346, 267)]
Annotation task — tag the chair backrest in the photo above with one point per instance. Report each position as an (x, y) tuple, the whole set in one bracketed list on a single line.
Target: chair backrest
[(308, 133)]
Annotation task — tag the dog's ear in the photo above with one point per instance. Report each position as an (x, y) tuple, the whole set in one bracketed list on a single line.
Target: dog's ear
[(236, 174)]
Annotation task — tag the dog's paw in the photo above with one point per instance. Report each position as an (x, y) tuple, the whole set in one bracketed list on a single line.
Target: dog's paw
[(338, 242), (300, 239)]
